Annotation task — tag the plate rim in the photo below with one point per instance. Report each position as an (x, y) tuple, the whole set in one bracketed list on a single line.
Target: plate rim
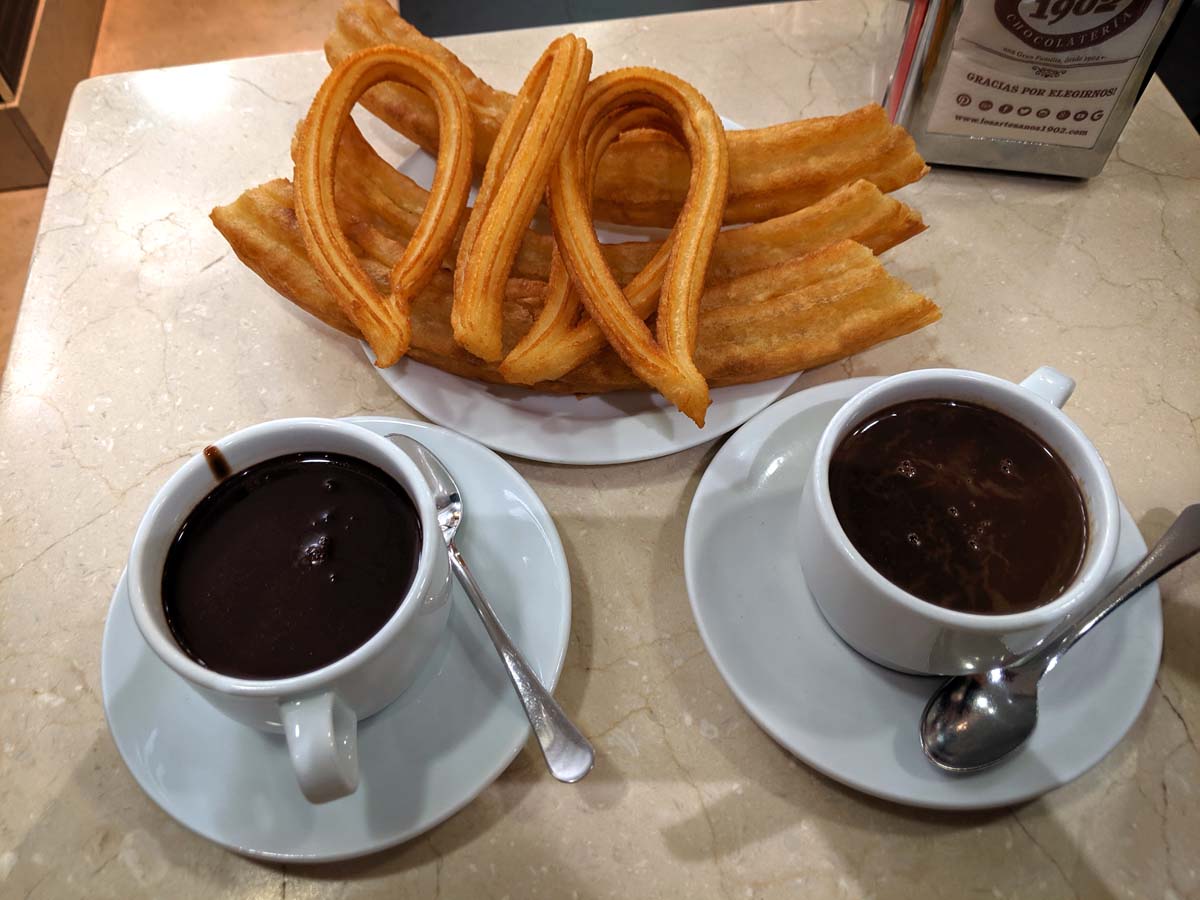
[(783, 410), (561, 566)]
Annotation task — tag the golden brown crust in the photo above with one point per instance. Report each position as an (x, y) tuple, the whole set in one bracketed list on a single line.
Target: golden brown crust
[(836, 302), (797, 287), (380, 205), (665, 363), (564, 336), (383, 317), (773, 170), (541, 121), (643, 179), (813, 308)]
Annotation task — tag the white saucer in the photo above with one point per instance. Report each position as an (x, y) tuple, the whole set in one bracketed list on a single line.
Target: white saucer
[(845, 716), (423, 758), (624, 426)]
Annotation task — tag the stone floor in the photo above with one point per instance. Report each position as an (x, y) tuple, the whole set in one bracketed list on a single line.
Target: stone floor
[(143, 34)]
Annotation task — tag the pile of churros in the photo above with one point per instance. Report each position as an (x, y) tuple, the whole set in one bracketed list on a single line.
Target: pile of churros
[(476, 292)]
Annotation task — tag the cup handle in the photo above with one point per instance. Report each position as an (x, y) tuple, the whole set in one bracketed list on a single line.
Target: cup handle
[(1051, 385), (322, 739)]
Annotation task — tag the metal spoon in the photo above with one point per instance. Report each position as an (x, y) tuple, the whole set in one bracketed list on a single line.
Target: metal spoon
[(975, 721), (568, 753)]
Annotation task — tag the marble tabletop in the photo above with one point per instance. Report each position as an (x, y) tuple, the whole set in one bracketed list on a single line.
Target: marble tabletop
[(141, 338)]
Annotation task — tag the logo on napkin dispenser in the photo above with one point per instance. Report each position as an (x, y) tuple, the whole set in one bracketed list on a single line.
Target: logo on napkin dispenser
[(1084, 61)]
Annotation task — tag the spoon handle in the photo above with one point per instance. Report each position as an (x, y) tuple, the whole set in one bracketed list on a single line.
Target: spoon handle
[(568, 753), (1181, 541)]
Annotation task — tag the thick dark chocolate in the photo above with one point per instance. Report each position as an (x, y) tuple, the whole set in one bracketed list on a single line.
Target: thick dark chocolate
[(290, 564), (960, 505)]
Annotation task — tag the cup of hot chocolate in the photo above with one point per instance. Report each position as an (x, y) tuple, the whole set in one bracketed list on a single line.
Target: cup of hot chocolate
[(295, 575), (952, 519)]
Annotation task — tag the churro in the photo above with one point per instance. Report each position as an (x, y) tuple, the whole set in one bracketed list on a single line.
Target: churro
[(643, 179), (384, 322), (806, 312), (366, 250), (665, 363), (559, 340), (541, 120), (380, 206)]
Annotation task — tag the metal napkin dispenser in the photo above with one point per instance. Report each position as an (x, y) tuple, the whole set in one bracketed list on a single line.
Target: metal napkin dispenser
[(1026, 85)]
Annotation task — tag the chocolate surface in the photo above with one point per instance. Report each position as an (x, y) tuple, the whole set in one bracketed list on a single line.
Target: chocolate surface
[(960, 505), (290, 564)]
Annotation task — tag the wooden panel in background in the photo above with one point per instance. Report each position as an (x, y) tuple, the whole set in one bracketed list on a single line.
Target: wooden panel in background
[(19, 163), (60, 56), (16, 25)]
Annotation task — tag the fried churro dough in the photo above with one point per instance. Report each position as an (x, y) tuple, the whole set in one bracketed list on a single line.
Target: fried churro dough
[(541, 120), (664, 360), (562, 338), (805, 312), (557, 342), (643, 178), (380, 207), (774, 170), (384, 321)]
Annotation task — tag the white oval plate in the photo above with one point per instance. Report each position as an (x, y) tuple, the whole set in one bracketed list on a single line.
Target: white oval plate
[(847, 717), (423, 758), (623, 426)]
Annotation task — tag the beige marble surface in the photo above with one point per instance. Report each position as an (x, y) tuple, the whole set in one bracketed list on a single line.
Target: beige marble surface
[(141, 338)]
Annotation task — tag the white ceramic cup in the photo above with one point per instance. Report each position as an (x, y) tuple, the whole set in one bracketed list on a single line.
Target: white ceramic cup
[(897, 629), (317, 711)]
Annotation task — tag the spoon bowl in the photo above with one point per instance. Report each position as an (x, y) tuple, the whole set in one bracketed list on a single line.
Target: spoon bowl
[(974, 721), (979, 720)]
